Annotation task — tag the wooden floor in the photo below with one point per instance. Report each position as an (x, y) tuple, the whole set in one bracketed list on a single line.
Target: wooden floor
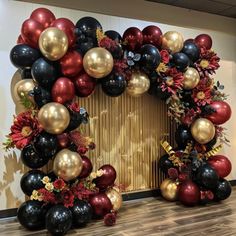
[(152, 216)]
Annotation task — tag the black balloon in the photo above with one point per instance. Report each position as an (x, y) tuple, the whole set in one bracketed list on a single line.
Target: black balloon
[(45, 73), (31, 180), (182, 136), (46, 144), (32, 159), (114, 35), (81, 213), (31, 215), (23, 56), (26, 74), (191, 50), (117, 52), (180, 60), (113, 85), (164, 163), (52, 176), (41, 96), (58, 220), (75, 121), (84, 44), (211, 144), (222, 190), (150, 57)]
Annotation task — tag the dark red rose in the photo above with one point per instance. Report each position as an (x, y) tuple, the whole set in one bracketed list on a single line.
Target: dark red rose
[(165, 57), (68, 198), (110, 219), (48, 197), (59, 184)]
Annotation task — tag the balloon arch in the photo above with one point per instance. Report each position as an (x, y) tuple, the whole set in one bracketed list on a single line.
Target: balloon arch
[(59, 61)]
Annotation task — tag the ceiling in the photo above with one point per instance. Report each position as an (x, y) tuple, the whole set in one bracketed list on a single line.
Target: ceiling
[(218, 7)]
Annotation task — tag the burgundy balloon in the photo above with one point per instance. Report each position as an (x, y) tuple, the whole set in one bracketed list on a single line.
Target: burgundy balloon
[(87, 167), (63, 140), (30, 32), (100, 204), (44, 16), (107, 179), (20, 40), (221, 164), (71, 63), (84, 85), (189, 193), (68, 27), (222, 112), (204, 40), (152, 35), (63, 90), (133, 38)]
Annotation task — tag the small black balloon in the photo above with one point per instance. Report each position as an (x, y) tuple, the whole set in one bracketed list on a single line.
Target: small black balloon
[(75, 121), (223, 190), (58, 220), (81, 213), (84, 44), (182, 136), (31, 180), (164, 163), (26, 73), (32, 159), (180, 60), (211, 144), (23, 56), (113, 85), (191, 50), (117, 52), (52, 176), (31, 215), (41, 96), (46, 144), (114, 35), (45, 73)]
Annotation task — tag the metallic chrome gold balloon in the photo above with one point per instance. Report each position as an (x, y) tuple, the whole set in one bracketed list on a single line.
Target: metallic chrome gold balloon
[(115, 198), (172, 41), (138, 84), (53, 43), (98, 62), (191, 78), (15, 79), (169, 189), (54, 117), (203, 130), (67, 164)]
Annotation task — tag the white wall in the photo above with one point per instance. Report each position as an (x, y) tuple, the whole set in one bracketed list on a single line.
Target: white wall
[(12, 15)]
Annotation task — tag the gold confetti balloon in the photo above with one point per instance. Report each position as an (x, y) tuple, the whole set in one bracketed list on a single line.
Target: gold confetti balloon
[(115, 198), (169, 190)]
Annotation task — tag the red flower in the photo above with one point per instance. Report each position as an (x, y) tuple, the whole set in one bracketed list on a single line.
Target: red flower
[(190, 115), (47, 196), (108, 43), (202, 97), (182, 177), (24, 129), (110, 219), (165, 57), (59, 184), (67, 198), (81, 192), (173, 173), (74, 106)]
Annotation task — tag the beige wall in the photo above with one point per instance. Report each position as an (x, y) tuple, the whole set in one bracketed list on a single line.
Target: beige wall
[(189, 23)]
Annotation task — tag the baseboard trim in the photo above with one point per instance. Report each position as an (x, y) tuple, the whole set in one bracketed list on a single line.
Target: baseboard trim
[(8, 213)]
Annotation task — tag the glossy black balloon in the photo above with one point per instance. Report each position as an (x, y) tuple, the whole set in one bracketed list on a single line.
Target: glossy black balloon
[(31, 215), (113, 85), (164, 163), (52, 176), (211, 144), (207, 177), (45, 73), (182, 136), (23, 56), (75, 121), (81, 213), (150, 57), (180, 60), (223, 190), (46, 144), (32, 159), (83, 44), (58, 220), (31, 180), (114, 35), (191, 50), (117, 52), (41, 96), (26, 74)]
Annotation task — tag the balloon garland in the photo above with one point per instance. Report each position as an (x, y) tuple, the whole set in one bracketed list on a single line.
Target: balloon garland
[(59, 61)]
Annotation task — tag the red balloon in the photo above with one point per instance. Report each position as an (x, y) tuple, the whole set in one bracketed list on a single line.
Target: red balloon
[(221, 165), (107, 179), (71, 63), (152, 35), (44, 16), (68, 27), (30, 32), (100, 204), (87, 167), (63, 90), (63, 140), (133, 38), (20, 40), (203, 40), (189, 193), (84, 85), (222, 112)]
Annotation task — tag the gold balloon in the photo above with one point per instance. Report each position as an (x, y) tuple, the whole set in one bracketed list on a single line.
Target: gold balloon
[(169, 189), (172, 41), (203, 130), (138, 84), (53, 43), (15, 79), (98, 62), (67, 164), (54, 117), (191, 78), (115, 198)]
